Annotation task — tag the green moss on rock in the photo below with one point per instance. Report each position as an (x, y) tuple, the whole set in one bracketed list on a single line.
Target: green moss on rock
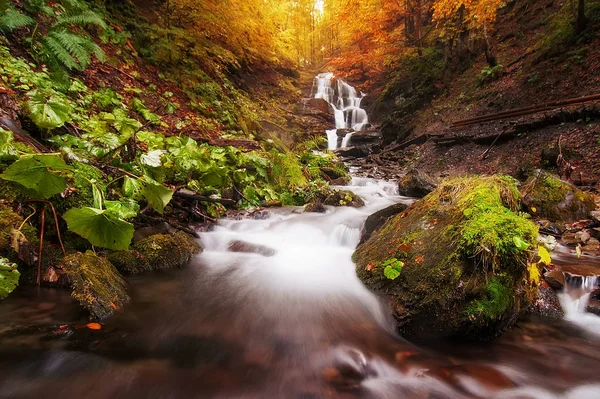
[(465, 254), (97, 285), (547, 196), (158, 251), (130, 262), (344, 198)]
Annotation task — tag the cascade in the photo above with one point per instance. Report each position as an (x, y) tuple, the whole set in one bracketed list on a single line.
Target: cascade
[(574, 301), (346, 104)]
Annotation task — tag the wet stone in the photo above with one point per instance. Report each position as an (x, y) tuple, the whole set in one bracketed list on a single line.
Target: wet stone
[(247, 247)]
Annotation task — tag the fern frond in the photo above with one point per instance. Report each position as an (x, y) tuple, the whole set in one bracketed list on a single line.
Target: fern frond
[(11, 19), (79, 48), (93, 48), (53, 50), (81, 18), (72, 42)]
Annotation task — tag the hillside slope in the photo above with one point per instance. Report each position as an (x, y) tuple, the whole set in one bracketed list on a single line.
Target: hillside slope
[(540, 60)]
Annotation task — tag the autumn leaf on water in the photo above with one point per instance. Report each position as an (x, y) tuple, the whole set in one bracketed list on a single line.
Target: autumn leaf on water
[(94, 326)]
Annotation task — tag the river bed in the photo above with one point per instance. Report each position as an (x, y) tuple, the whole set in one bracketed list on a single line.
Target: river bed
[(298, 324)]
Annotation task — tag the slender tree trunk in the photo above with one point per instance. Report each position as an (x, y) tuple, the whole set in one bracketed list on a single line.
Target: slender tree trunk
[(581, 20)]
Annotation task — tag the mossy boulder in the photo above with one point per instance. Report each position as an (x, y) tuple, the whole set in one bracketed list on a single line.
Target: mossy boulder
[(158, 251), (547, 196), (344, 198), (416, 184), (97, 285), (456, 263)]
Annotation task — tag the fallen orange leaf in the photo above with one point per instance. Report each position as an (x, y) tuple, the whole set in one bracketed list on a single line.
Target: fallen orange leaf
[(94, 326), (404, 248)]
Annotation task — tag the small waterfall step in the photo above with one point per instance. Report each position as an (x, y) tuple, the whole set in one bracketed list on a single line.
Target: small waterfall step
[(346, 104)]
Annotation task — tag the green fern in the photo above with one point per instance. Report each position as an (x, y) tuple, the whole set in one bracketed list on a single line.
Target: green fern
[(11, 20), (81, 18)]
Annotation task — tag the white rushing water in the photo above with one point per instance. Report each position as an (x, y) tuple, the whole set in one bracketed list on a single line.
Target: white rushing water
[(346, 104), (574, 301)]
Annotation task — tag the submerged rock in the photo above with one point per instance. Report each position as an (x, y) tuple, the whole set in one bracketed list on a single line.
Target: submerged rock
[(97, 285), (416, 184), (315, 206), (344, 198), (547, 196), (456, 263), (158, 251), (248, 247)]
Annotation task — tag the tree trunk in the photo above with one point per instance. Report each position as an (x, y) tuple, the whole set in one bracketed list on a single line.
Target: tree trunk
[(581, 21)]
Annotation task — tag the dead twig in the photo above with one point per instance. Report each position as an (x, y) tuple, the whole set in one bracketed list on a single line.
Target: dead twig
[(39, 268)]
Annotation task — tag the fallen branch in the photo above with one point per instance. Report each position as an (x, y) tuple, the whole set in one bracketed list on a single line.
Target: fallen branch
[(190, 195)]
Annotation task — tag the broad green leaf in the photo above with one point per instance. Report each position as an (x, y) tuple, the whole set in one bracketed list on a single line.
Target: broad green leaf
[(132, 188), (7, 151), (37, 175), (391, 273), (9, 277), (100, 228), (544, 255), (125, 208), (520, 243), (158, 196), (212, 178), (48, 113), (153, 158), (97, 195), (154, 141)]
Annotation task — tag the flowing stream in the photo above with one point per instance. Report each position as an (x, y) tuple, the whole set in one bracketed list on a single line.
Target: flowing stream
[(289, 319)]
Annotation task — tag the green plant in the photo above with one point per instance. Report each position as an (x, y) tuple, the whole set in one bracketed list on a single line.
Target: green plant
[(38, 176), (489, 74), (65, 45), (11, 19), (392, 268), (9, 277)]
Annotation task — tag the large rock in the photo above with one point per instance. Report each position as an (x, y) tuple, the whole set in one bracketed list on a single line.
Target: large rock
[(416, 184), (321, 105), (97, 285), (456, 263), (377, 220), (158, 251), (547, 196), (365, 137)]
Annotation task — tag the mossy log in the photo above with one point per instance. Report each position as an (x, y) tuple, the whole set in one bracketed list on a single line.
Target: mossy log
[(466, 256)]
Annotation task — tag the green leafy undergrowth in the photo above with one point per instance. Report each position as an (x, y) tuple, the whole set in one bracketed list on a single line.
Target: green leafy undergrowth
[(102, 228), (9, 277), (39, 176), (59, 37)]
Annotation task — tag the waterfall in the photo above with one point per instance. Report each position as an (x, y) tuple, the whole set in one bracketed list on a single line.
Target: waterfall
[(574, 300), (346, 104)]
